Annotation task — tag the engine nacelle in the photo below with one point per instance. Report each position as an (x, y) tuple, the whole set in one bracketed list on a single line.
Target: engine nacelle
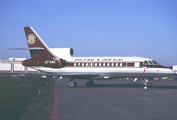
[(44, 62), (62, 52)]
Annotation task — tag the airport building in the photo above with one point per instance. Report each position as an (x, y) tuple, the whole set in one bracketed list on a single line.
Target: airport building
[(13, 65), (174, 68)]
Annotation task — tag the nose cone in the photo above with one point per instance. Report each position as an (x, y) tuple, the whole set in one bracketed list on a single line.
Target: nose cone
[(175, 72), (171, 72), (164, 72)]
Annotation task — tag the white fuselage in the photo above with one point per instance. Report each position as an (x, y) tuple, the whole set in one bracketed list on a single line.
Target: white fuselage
[(109, 67)]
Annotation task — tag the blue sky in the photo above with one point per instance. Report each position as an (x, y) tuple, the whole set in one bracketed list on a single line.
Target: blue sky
[(145, 28)]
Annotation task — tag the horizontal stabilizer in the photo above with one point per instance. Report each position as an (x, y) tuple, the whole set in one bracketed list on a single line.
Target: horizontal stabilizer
[(31, 48)]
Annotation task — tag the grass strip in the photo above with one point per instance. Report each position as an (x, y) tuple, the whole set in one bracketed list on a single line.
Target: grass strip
[(21, 100)]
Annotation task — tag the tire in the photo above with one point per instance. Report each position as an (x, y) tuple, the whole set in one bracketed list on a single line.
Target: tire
[(145, 87), (73, 84)]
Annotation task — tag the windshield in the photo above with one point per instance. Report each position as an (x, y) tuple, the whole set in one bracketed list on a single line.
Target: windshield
[(150, 62), (155, 63), (146, 63)]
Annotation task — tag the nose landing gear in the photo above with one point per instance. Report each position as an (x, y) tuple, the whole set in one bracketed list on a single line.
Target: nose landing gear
[(145, 81)]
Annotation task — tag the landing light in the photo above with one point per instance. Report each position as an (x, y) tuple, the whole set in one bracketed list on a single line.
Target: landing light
[(106, 77)]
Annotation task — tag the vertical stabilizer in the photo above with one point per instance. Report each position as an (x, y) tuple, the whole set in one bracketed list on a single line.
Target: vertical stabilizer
[(34, 41)]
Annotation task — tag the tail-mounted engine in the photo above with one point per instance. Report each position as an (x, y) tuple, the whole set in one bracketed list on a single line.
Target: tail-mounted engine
[(44, 62)]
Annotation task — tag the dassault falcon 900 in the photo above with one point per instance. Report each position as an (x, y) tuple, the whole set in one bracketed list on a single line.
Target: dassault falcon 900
[(58, 61)]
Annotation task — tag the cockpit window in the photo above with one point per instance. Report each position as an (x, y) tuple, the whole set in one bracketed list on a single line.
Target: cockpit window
[(145, 63), (155, 63), (150, 62)]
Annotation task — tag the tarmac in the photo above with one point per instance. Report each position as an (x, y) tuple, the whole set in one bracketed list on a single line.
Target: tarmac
[(117, 100)]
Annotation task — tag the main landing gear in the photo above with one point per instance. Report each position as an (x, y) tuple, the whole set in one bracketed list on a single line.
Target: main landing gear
[(90, 83), (72, 83)]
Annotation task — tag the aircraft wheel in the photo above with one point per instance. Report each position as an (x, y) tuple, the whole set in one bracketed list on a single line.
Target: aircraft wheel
[(73, 84), (145, 87)]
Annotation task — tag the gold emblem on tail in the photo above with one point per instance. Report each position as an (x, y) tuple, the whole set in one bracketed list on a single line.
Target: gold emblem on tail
[(31, 39)]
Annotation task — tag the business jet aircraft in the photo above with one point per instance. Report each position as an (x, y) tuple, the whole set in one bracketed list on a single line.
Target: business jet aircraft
[(58, 61)]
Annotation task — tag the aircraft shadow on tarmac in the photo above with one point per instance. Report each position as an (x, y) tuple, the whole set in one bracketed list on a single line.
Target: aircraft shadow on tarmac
[(138, 85), (151, 84)]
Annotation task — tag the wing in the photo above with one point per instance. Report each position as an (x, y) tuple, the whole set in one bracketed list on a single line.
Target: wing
[(82, 76), (74, 75)]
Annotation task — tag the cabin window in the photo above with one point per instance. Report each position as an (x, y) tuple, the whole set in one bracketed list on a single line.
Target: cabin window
[(107, 64), (112, 64), (95, 64), (78, 64), (121, 64), (116, 64), (104, 64), (91, 64), (100, 64), (82, 64), (86, 64), (74, 64)]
